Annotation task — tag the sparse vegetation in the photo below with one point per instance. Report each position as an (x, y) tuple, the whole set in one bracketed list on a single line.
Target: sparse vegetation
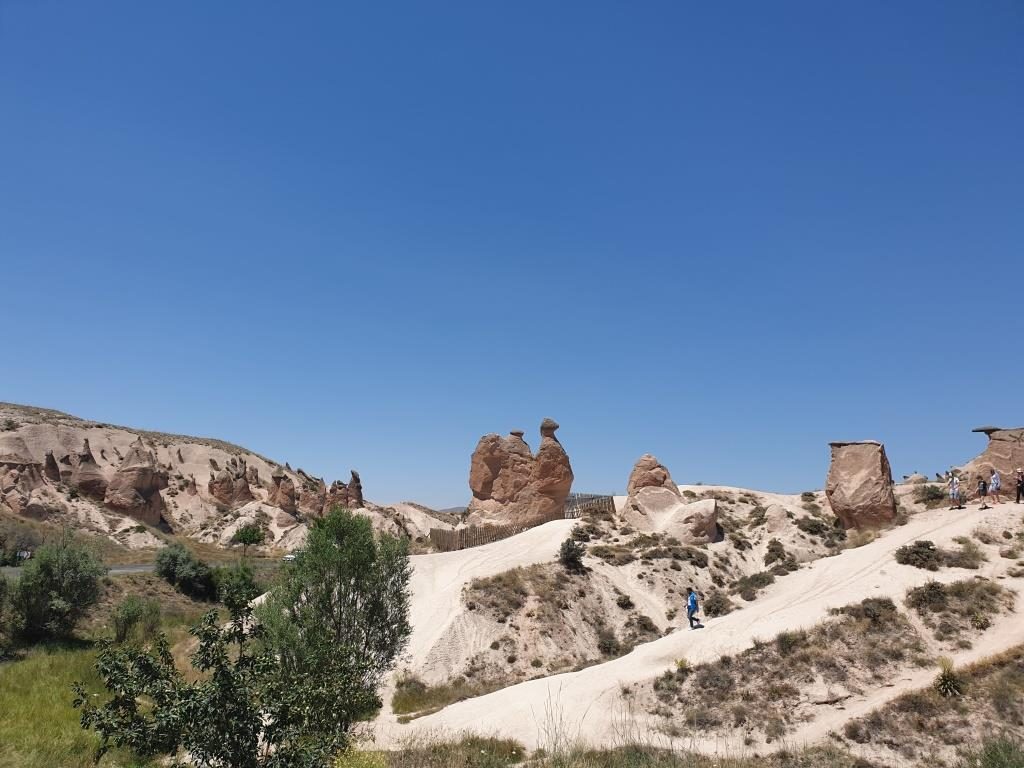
[(924, 554), (950, 610), (930, 495), (570, 555), (747, 587)]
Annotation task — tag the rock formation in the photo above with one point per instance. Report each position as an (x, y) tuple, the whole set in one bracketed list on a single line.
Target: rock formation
[(512, 485), (859, 485), (50, 469), (654, 504), (282, 492), (915, 479), (348, 496), (230, 486), (20, 482), (648, 472), (135, 487), (1004, 453), (86, 476)]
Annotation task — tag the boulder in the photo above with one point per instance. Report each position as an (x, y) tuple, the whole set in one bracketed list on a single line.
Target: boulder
[(648, 472), (511, 485), (859, 485), (136, 485)]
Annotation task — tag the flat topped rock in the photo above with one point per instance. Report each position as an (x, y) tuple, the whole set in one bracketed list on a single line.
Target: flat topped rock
[(840, 443)]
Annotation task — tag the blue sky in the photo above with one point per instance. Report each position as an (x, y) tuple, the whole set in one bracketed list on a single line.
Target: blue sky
[(362, 235)]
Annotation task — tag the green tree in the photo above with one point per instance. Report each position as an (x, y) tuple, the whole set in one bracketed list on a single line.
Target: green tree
[(337, 621), (126, 617), (8, 619), (249, 535), (56, 587), (185, 571), (259, 703)]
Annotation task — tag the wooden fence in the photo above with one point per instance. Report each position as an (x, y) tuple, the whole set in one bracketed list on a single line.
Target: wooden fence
[(577, 505)]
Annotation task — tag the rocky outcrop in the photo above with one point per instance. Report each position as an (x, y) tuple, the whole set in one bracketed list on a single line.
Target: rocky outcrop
[(20, 480), (230, 486), (859, 485), (85, 475), (50, 469), (915, 479), (312, 495), (347, 496), (1004, 453), (512, 485), (135, 487), (282, 492), (648, 472)]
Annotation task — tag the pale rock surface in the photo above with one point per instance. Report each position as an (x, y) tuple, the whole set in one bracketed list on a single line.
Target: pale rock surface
[(136, 485), (648, 472), (1004, 453)]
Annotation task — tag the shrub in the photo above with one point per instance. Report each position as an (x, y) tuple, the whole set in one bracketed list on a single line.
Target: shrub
[(607, 642), (249, 535), (878, 611), (775, 552), (921, 554), (625, 602), (570, 555), (126, 616), (948, 682), (717, 604), (1000, 752), (929, 495), (808, 496), (787, 642), (185, 571), (930, 596), (969, 556), (56, 587), (748, 586)]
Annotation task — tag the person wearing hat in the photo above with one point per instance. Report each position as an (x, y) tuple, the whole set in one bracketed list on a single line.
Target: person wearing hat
[(1020, 483)]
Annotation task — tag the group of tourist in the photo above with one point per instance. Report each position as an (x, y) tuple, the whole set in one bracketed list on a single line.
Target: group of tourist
[(986, 488)]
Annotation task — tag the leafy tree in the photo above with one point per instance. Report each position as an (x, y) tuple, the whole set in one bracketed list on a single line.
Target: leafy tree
[(258, 702), (570, 554), (56, 587), (249, 535), (236, 584), (337, 622), (186, 572)]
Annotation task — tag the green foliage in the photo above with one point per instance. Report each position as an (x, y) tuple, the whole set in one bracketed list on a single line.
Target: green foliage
[(185, 571), (776, 552), (15, 536), (8, 625), (948, 682), (808, 496), (249, 535), (787, 642), (279, 691), (929, 495), (126, 616), (337, 621), (570, 555), (56, 587), (236, 584), (878, 612)]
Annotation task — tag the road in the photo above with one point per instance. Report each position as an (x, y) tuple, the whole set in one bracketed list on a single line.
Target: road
[(114, 570)]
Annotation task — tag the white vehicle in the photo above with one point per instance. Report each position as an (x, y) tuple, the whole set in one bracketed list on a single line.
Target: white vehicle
[(289, 558)]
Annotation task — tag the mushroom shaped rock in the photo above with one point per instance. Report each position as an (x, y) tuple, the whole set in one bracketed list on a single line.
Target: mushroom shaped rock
[(859, 485)]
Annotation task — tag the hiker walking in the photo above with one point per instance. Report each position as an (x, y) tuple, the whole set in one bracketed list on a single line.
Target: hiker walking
[(982, 492), (691, 608), (1020, 483), (954, 492), (994, 484)]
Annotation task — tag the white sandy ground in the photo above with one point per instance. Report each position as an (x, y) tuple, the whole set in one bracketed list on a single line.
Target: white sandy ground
[(588, 705)]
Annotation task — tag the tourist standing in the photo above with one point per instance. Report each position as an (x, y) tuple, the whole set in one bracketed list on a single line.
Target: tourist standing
[(954, 492), (994, 483), (982, 492), (1020, 483)]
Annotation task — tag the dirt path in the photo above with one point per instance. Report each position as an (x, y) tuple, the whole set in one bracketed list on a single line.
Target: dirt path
[(588, 704)]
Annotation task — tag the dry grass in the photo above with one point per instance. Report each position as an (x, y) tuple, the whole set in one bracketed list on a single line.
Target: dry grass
[(961, 608)]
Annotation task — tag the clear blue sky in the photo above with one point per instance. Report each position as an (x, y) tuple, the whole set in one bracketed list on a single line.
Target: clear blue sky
[(364, 234)]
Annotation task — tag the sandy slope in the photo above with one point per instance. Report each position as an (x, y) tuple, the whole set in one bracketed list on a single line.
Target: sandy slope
[(588, 703)]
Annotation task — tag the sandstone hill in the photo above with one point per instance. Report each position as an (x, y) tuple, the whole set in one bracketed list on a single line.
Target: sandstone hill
[(125, 484)]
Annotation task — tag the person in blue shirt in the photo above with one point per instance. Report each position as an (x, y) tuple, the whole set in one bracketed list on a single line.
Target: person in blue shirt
[(691, 608)]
